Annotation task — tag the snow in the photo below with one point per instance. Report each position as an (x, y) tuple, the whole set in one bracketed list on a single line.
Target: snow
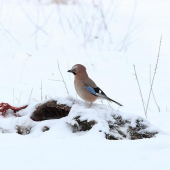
[(72, 34), (92, 155), (60, 148)]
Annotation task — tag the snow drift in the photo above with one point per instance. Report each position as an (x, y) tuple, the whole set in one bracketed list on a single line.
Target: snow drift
[(99, 119)]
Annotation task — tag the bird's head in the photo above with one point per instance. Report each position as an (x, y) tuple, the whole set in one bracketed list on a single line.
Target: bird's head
[(77, 69)]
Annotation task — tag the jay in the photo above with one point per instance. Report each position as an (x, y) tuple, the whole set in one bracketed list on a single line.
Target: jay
[(85, 87)]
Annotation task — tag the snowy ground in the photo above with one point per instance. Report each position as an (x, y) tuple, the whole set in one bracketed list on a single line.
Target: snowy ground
[(108, 38), (62, 149)]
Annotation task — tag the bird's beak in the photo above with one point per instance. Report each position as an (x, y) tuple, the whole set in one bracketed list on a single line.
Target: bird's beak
[(69, 71)]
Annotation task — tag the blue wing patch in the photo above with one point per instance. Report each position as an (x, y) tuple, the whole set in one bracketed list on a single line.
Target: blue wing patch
[(90, 90)]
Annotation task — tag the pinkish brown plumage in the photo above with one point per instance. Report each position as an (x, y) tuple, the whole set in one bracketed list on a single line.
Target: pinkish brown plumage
[(85, 87)]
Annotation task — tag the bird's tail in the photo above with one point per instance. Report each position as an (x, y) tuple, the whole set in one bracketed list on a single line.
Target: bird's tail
[(114, 101)]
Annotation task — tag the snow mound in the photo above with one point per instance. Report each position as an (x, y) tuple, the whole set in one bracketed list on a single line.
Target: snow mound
[(115, 125), (100, 120)]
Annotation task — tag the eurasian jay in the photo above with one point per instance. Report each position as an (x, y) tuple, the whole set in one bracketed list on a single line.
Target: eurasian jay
[(85, 87)]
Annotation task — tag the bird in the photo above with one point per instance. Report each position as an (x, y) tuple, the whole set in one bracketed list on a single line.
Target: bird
[(86, 87)]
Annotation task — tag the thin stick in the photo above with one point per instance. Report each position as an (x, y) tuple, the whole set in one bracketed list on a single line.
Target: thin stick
[(139, 88), (36, 32), (13, 95), (30, 94), (17, 100), (56, 80), (62, 78), (46, 21), (153, 76), (20, 96), (41, 91), (23, 68), (35, 99), (153, 92), (6, 31), (30, 19)]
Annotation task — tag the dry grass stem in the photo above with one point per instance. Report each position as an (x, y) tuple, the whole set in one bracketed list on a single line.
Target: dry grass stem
[(153, 92), (156, 66), (62, 78), (30, 95), (140, 91)]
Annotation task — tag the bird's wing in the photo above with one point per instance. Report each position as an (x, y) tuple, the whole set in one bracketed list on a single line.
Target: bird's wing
[(91, 90), (95, 91), (98, 92)]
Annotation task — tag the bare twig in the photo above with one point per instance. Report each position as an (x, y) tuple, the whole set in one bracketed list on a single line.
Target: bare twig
[(104, 21), (41, 91), (17, 100), (153, 76), (125, 39), (45, 22), (23, 68), (62, 78), (68, 68), (153, 92), (20, 96), (56, 80), (30, 95), (13, 95), (9, 34), (29, 18), (69, 23), (139, 88), (36, 32)]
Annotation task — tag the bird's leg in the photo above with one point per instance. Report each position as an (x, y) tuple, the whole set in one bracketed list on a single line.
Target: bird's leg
[(90, 105)]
